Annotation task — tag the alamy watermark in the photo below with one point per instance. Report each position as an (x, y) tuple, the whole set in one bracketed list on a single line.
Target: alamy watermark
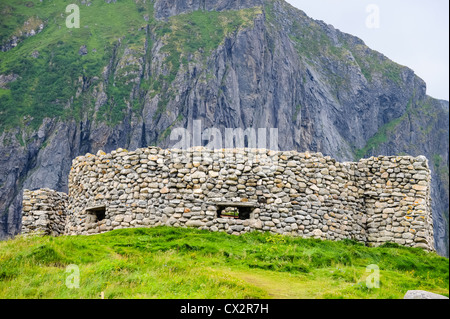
[(373, 279), (373, 19), (73, 279), (73, 19), (255, 145)]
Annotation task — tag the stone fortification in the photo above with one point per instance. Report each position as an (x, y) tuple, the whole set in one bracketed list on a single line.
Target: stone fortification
[(376, 200), (44, 211)]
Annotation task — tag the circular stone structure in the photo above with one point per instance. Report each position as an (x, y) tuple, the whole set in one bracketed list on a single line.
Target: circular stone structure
[(376, 200)]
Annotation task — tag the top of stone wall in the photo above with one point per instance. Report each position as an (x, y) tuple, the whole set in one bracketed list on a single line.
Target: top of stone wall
[(422, 161)]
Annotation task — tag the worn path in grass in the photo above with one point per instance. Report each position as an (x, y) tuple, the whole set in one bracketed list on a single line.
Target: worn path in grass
[(287, 286)]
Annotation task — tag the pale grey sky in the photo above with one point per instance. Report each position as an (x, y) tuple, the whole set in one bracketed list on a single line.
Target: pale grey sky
[(414, 33)]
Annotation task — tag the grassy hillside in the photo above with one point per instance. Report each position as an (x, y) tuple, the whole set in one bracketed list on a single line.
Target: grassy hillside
[(180, 263)]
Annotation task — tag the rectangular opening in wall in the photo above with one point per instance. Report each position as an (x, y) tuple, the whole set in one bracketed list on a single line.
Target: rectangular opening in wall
[(245, 212), (96, 214), (235, 210), (229, 212)]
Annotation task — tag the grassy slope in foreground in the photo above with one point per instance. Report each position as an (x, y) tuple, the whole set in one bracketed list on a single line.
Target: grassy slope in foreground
[(181, 263)]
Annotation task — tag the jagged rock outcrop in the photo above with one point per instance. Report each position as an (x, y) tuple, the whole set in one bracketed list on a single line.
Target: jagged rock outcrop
[(30, 28), (324, 90)]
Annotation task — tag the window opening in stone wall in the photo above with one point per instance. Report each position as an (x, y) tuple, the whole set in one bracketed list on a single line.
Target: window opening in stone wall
[(241, 212), (244, 212), (97, 214), (230, 212)]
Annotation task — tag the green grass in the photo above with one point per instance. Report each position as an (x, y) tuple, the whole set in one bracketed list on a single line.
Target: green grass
[(166, 262)]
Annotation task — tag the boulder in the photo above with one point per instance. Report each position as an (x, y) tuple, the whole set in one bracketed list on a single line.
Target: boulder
[(422, 294)]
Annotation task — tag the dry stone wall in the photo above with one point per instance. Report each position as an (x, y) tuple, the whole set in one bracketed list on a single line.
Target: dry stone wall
[(397, 200), (373, 201), (44, 211)]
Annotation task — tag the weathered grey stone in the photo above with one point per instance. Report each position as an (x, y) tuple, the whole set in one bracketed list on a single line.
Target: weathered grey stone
[(290, 220), (194, 223), (421, 294), (315, 197)]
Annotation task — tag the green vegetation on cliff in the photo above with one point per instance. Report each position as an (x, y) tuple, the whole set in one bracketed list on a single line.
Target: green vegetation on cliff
[(194, 35), (168, 262), (52, 72), (49, 80)]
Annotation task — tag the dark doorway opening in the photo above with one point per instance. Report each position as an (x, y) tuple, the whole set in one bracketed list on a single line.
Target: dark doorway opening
[(97, 214)]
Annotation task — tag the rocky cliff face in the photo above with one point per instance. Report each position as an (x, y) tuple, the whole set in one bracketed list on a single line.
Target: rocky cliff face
[(230, 64), (168, 8)]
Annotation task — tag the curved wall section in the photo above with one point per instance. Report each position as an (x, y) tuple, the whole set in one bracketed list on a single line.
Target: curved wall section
[(376, 200)]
